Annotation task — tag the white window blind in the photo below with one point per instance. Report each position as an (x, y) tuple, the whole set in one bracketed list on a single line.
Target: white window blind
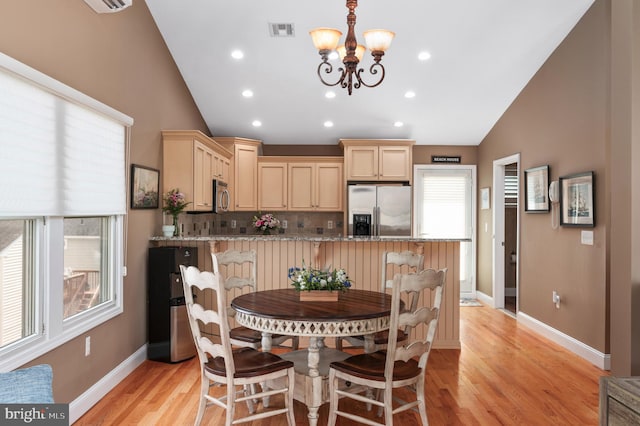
[(62, 153), (444, 205)]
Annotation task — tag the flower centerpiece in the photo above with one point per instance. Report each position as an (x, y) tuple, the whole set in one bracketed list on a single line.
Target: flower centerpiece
[(266, 223), (328, 281), (174, 204)]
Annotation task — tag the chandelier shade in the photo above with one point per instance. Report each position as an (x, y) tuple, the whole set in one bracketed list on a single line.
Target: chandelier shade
[(325, 38), (351, 53)]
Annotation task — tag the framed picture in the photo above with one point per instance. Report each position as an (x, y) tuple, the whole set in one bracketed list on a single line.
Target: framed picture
[(577, 202), (536, 190), (485, 204), (145, 182)]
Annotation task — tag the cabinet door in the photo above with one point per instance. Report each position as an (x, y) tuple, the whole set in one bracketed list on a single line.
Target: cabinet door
[(329, 186), (246, 177), (202, 175), (362, 162), (272, 186), (395, 163), (301, 186), (225, 169)]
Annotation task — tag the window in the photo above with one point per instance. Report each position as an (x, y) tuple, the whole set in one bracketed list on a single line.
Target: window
[(61, 230), (444, 203)]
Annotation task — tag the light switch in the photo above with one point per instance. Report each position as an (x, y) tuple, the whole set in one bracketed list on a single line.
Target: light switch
[(586, 237)]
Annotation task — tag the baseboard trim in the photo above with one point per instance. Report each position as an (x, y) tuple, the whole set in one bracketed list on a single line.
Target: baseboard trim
[(95, 393), (484, 298), (597, 358), (447, 344)]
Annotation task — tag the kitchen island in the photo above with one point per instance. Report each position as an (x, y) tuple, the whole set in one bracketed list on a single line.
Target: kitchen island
[(360, 257)]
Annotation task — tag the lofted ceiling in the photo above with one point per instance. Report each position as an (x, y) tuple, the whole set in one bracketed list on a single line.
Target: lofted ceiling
[(483, 53)]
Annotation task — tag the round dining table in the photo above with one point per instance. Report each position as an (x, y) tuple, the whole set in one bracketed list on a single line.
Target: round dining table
[(280, 311)]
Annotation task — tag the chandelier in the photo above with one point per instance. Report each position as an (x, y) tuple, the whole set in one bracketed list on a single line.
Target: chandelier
[(326, 40)]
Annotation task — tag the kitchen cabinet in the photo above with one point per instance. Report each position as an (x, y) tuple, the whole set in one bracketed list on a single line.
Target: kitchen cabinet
[(315, 185), (272, 185), (244, 185), (190, 164), (378, 160)]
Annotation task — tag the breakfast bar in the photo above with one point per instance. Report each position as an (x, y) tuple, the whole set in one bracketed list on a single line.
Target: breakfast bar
[(360, 257)]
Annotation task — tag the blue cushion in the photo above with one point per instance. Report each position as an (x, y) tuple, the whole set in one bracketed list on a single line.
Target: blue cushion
[(32, 385)]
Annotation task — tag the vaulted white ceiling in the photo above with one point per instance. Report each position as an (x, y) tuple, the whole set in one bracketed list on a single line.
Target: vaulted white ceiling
[(483, 53)]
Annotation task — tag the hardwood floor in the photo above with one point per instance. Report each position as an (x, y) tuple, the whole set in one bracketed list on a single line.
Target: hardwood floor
[(504, 375)]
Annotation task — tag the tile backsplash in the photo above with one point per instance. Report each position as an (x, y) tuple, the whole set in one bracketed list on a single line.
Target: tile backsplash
[(240, 223)]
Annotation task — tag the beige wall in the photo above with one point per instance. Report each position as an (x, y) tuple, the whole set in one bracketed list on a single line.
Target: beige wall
[(122, 61), (422, 153), (559, 119)]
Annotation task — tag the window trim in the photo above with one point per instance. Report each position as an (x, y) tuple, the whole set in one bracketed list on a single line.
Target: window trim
[(52, 331)]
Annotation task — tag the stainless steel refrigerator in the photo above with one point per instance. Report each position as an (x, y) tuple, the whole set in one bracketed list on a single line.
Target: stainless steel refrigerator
[(379, 210)]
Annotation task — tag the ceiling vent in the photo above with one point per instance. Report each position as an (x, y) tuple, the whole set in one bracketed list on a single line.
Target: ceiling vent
[(108, 6), (281, 30)]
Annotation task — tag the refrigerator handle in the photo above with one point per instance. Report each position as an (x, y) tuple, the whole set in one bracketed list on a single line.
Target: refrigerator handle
[(377, 209)]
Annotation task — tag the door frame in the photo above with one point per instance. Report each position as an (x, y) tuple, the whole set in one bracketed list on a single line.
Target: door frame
[(474, 189), (497, 275)]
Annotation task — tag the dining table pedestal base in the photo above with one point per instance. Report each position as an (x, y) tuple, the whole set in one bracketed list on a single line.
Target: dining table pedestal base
[(312, 374)]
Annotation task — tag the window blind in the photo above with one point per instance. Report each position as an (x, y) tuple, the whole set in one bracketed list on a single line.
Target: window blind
[(62, 152), (444, 204)]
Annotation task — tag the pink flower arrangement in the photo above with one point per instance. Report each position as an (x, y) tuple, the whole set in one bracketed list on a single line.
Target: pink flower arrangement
[(174, 202), (265, 223)]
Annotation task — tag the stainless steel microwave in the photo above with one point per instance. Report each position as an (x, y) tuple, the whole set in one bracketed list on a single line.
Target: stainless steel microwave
[(221, 197)]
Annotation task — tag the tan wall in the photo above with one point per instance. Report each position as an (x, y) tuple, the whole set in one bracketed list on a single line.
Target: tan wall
[(559, 119), (422, 153), (121, 60)]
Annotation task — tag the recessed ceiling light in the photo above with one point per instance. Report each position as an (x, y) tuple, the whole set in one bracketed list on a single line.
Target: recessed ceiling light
[(247, 93), (328, 124), (410, 94), (330, 95), (237, 54), (256, 123), (398, 124), (423, 56)]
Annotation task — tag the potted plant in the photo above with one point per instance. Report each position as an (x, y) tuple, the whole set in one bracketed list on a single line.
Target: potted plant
[(174, 204), (318, 284)]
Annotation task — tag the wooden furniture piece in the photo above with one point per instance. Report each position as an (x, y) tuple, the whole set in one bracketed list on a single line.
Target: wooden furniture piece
[(409, 261), (244, 367), (378, 159), (396, 366), (282, 312), (235, 264), (619, 401), (190, 162)]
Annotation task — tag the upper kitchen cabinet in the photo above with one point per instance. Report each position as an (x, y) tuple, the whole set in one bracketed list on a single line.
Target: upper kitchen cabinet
[(315, 184), (245, 171), (272, 184), (191, 160), (378, 159)]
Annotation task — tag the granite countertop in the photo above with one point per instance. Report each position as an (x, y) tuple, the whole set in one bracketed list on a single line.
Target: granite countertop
[(318, 238)]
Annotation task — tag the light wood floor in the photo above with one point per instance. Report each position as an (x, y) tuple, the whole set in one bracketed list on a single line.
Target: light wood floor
[(504, 375)]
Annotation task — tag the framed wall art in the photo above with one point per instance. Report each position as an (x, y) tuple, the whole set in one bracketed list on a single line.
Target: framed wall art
[(145, 183), (577, 200), (536, 190), (485, 203)]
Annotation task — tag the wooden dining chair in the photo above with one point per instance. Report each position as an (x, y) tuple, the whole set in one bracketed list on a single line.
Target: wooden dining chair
[(407, 260), (233, 368), (244, 261), (396, 366)]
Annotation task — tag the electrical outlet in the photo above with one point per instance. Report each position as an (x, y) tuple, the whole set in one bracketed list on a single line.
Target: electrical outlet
[(285, 224), (87, 346), (233, 224), (330, 224)]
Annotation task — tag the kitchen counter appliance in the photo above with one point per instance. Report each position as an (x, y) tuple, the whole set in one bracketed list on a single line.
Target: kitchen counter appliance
[(379, 210)]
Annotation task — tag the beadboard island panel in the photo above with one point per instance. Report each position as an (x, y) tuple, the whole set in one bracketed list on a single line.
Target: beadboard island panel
[(361, 258)]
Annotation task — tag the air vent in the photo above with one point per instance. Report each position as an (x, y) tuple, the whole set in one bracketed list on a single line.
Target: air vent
[(281, 30), (108, 6)]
